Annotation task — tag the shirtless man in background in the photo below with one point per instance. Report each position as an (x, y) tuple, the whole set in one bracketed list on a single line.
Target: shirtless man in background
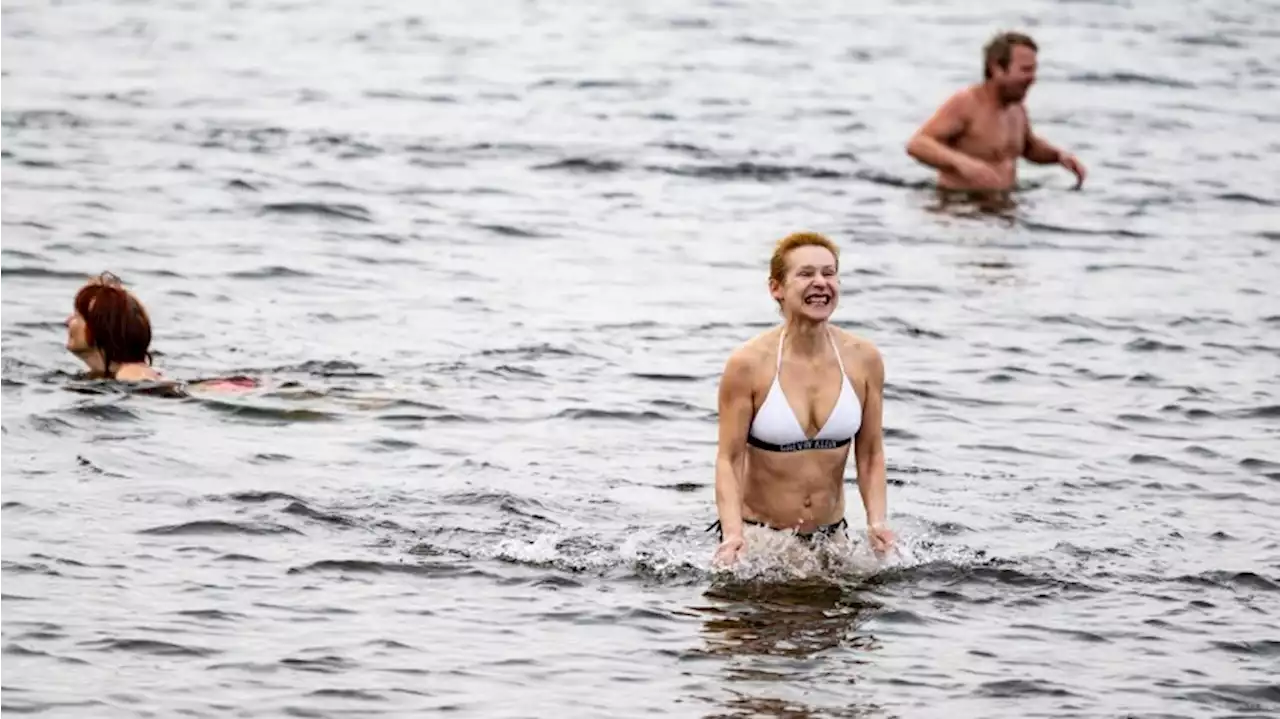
[(976, 137)]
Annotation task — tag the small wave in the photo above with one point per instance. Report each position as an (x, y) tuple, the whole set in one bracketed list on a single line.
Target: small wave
[(1261, 412), (757, 41), (234, 557), (991, 573), (41, 119), (1064, 230), (273, 415), (912, 330), (529, 352), (22, 255), (357, 694), (1123, 266), (218, 526), (1258, 464), (103, 412), (664, 377), (603, 414), (583, 165), (211, 614), (1130, 78), (35, 568), (255, 497), (437, 99), (320, 209), (363, 566), (50, 425), (43, 273), (1019, 688), (750, 171), (269, 273), (1248, 199), (1258, 647), (301, 509), (696, 151), (328, 368), (1240, 696), (1231, 580), (1214, 40), (391, 444), (243, 185), (324, 665), (18, 650), (150, 646), (1144, 344), (504, 501), (509, 231), (876, 177)]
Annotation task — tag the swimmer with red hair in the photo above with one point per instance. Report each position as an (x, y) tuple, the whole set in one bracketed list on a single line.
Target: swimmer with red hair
[(109, 330)]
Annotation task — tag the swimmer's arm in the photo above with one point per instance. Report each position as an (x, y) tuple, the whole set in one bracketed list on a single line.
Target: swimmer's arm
[(869, 447), (1038, 150), (929, 144), (735, 419)]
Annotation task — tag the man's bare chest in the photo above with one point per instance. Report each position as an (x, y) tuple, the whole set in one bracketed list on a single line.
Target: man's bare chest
[(995, 135)]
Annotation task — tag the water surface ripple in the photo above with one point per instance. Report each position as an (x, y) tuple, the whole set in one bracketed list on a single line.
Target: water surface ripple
[(488, 265)]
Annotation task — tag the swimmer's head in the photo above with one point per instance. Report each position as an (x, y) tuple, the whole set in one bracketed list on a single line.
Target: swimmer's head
[(804, 276), (109, 326), (1009, 62)]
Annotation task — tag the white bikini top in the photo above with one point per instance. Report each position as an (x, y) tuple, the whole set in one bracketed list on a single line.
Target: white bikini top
[(776, 429)]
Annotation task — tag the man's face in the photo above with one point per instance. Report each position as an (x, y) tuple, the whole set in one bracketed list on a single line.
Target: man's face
[(1014, 82)]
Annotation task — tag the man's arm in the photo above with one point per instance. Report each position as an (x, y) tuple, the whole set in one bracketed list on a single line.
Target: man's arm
[(929, 144), (735, 418), (1038, 150), (869, 447)]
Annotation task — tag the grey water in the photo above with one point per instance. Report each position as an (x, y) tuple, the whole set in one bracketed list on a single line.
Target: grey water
[(487, 262)]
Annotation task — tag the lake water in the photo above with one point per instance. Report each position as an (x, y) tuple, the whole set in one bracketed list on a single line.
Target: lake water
[(487, 262)]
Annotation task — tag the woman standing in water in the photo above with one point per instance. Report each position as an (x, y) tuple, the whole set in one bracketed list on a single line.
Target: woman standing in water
[(793, 400)]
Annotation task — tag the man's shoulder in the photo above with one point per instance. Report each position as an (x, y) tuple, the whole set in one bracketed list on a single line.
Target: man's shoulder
[(965, 97)]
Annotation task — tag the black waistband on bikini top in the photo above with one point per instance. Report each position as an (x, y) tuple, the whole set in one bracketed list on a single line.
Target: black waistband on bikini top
[(826, 530), (797, 446)]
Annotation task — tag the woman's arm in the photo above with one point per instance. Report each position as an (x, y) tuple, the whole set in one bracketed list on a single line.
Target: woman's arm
[(735, 406), (869, 451)]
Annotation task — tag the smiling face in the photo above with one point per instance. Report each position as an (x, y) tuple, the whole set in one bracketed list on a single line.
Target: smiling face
[(1009, 65), (810, 283), (1014, 81)]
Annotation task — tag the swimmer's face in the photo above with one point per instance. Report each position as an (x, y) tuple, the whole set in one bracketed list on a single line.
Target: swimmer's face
[(1017, 79), (78, 341), (811, 285), (77, 333)]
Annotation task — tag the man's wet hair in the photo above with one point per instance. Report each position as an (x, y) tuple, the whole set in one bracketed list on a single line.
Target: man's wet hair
[(999, 50)]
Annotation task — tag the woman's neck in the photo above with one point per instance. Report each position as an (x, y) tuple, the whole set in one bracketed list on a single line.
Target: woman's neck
[(807, 338)]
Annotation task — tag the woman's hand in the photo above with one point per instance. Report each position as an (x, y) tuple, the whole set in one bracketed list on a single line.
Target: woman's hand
[(728, 552), (881, 537)]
